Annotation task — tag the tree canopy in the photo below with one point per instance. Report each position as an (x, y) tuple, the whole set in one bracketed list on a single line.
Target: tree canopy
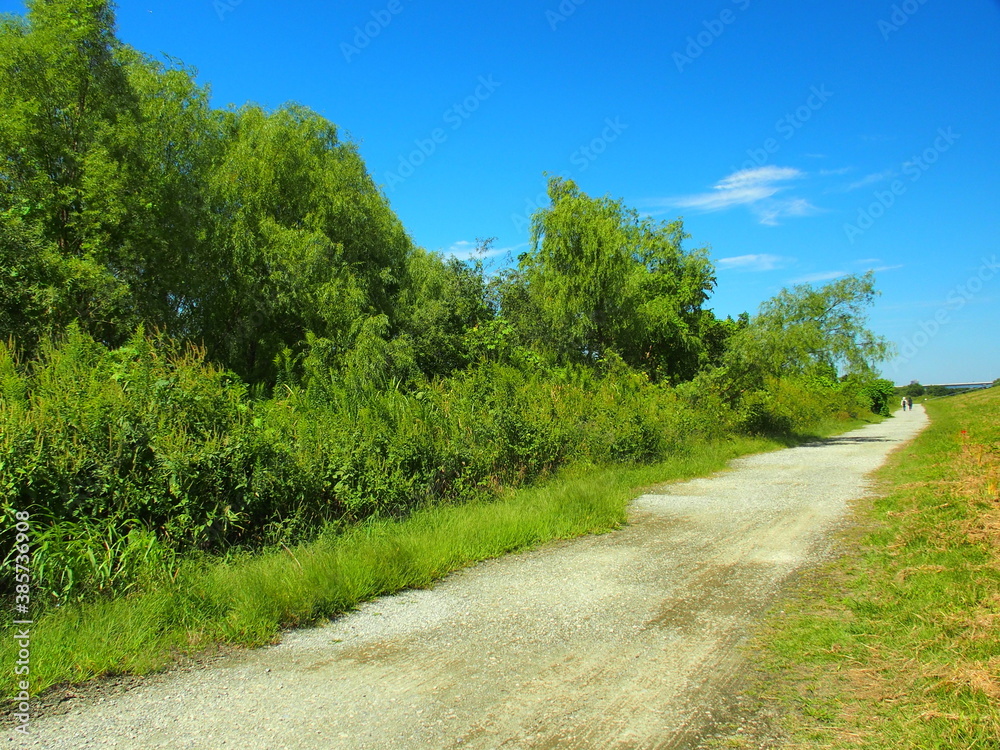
[(811, 331), (126, 199), (599, 279)]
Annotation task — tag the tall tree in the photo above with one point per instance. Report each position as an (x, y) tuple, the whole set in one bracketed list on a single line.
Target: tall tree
[(304, 239), (66, 101), (809, 330), (600, 278), (127, 199), (441, 301)]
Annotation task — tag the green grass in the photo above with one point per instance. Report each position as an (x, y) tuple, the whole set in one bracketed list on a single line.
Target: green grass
[(897, 644), (248, 599)]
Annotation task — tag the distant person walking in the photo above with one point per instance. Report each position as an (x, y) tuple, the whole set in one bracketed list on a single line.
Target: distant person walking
[(909, 403), (903, 403)]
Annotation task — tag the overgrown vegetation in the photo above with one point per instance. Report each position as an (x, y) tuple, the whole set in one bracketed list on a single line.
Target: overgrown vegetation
[(896, 645), (220, 340)]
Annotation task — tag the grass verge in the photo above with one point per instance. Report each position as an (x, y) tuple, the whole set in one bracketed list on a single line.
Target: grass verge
[(897, 643)]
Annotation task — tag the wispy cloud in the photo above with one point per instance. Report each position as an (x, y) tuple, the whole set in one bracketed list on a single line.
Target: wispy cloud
[(762, 262), (463, 250), (870, 179), (740, 188), (755, 188), (834, 172), (770, 211), (875, 264), (812, 278)]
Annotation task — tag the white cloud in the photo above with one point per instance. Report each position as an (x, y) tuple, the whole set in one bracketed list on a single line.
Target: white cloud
[(831, 275), (762, 262), (770, 211), (462, 249), (755, 188), (758, 176), (726, 198), (870, 179), (821, 276)]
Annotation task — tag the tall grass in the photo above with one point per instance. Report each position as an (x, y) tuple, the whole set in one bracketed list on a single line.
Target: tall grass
[(171, 507)]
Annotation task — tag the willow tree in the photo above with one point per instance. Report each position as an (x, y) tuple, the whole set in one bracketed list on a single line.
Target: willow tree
[(65, 102), (811, 331), (599, 278), (125, 199), (303, 238), (441, 301), (105, 154)]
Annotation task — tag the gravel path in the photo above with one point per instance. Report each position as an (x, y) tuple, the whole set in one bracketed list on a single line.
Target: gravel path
[(625, 640)]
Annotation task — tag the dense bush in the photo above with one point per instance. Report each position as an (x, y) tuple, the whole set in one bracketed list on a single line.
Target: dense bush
[(149, 449)]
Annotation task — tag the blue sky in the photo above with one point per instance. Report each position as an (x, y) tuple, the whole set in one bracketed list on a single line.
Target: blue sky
[(799, 140)]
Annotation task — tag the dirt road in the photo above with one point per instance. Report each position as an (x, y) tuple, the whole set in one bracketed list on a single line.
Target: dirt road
[(626, 640)]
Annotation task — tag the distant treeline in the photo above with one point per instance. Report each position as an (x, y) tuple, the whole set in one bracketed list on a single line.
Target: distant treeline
[(218, 332), (915, 389)]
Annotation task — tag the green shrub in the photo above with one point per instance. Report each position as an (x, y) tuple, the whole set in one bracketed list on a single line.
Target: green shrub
[(151, 449)]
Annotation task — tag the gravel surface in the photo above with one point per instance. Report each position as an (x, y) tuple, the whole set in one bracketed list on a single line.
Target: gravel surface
[(625, 640)]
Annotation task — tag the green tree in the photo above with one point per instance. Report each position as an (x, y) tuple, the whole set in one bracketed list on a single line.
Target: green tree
[(125, 199), (106, 157), (67, 107), (809, 331), (29, 280), (441, 301), (302, 240), (876, 393), (600, 278)]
